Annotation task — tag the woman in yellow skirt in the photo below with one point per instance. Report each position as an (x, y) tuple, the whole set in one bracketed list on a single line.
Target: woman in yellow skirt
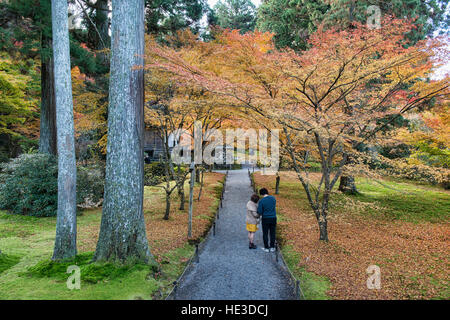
[(252, 219)]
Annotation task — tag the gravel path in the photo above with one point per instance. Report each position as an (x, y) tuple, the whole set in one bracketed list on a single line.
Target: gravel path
[(227, 268)]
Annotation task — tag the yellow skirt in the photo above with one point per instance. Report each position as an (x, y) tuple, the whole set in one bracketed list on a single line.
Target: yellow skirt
[(252, 227)]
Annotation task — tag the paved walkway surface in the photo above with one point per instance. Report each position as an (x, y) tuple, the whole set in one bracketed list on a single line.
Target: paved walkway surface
[(227, 268)]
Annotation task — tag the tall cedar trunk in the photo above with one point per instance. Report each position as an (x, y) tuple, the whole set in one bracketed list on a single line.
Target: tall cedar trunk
[(66, 223), (122, 235), (347, 185), (47, 136)]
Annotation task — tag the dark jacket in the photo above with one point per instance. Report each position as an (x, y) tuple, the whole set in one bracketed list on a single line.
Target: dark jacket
[(266, 207)]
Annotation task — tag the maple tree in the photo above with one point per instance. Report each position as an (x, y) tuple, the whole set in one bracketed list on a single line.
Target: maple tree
[(174, 105), (167, 117), (329, 100), (172, 109), (431, 138)]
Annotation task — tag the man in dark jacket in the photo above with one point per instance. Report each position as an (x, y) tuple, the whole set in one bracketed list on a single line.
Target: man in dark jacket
[(266, 209)]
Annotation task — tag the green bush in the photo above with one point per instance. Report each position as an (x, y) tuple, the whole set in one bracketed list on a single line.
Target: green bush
[(150, 180), (155, 169), (29, 185), (154, 173)]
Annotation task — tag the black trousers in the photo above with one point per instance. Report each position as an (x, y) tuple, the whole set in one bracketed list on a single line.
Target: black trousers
[(269, 228)]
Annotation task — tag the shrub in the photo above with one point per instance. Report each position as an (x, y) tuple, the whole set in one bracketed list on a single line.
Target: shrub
[(29, 185), (153, 173), (419, 172), (150, 180), (155, 169)]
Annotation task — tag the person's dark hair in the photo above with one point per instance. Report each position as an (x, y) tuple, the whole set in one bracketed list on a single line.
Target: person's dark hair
[(263, 191), (255, 198)]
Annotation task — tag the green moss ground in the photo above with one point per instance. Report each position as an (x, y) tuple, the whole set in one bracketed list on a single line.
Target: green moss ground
[(27, 272)]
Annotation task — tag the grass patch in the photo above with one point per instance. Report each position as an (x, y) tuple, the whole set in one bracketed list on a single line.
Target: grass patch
[(399, 201), (13, 225), (218, 189), (205, 217), (175, 261), (7, 261), (314, 287)]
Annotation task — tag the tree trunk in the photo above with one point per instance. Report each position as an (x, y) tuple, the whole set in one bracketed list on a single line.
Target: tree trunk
[(277, 185), (66, 223), (197, 177), (47, 136), (180, 189), (166, 215), (323, 229), (182, 197), (191, 201), (122, 235), (347, 185)]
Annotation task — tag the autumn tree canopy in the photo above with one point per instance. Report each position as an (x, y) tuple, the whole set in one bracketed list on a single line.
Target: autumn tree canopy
[(328, 100)]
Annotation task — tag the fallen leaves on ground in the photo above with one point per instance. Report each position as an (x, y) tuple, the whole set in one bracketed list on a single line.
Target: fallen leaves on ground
[(413, 257)]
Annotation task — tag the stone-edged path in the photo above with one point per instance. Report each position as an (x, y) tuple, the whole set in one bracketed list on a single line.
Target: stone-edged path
[(227, 269)]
